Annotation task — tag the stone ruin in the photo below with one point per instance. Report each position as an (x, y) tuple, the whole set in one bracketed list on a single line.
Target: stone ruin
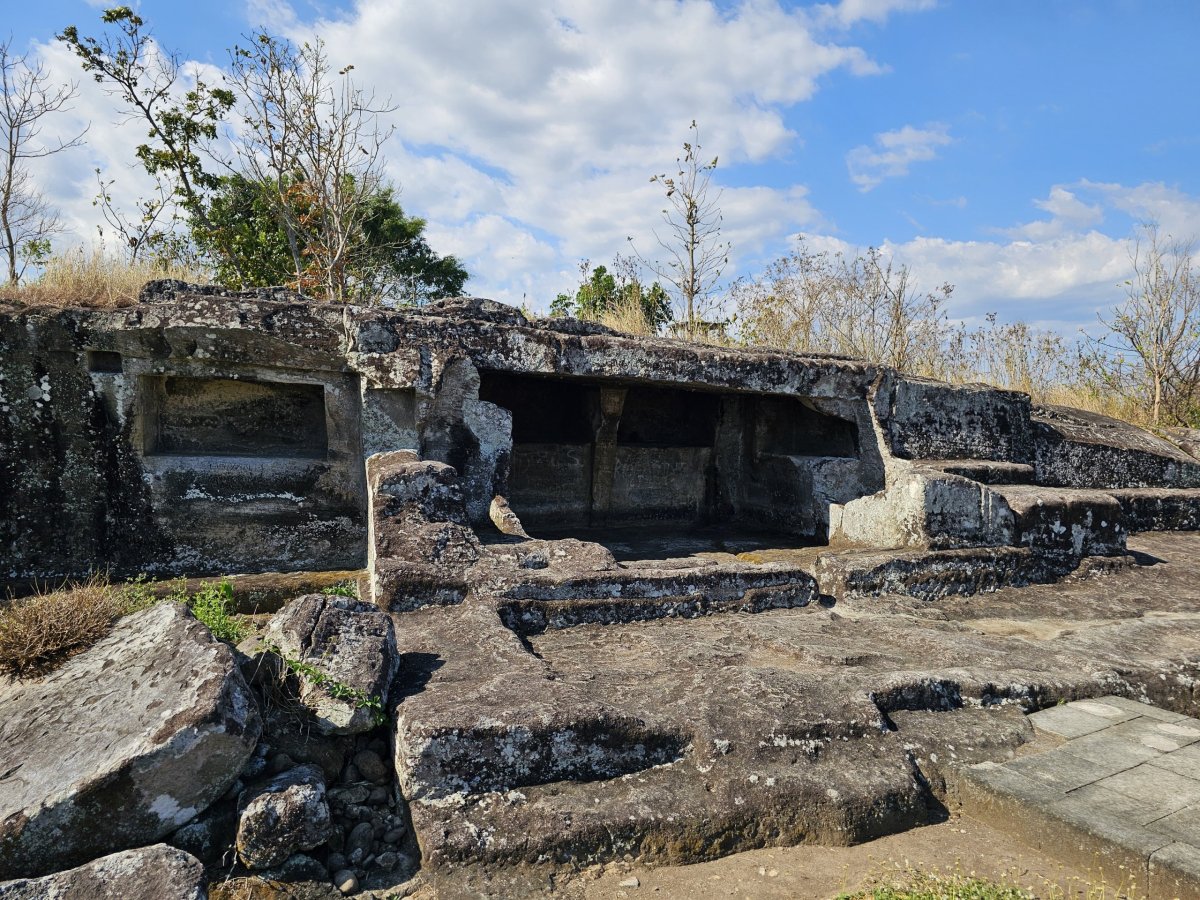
[(644, 598)]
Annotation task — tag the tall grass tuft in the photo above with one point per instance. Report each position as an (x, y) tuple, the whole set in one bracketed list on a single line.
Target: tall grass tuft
[(39, 632), (96, 280)]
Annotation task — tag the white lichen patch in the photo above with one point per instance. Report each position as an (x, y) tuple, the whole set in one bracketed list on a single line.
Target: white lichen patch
[(168, 809)]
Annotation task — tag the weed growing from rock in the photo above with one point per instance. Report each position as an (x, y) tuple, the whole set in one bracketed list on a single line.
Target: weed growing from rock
[(336, 689), (346, 588)]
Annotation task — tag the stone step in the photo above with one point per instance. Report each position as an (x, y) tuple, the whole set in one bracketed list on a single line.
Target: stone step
[(528, 617), (1160, 509), (1079, 521), (933, 574), (985, 471), (1041, 510), (725, 582)]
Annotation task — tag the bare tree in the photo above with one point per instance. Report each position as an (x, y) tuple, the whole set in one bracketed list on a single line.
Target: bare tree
[(182, 122), (696, 255), (150, 231), (313, 137), (27, 97), (1157, 327)]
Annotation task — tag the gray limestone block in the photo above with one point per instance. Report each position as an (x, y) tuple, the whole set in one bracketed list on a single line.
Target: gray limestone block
[(122, 745), (158, 872)]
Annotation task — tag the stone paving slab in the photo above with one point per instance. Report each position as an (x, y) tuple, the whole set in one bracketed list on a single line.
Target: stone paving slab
[(1120, 794)]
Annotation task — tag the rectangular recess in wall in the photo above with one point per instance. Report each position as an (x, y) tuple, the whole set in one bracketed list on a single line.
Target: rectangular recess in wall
[(106, 362), (787, 426), (186, 416)]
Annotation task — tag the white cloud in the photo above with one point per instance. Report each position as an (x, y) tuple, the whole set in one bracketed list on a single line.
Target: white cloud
[(1060, 282), (894, 152), (1067, 213), (508, 263), (526, 133), (850, 12), (553, 116), (1176, 212)]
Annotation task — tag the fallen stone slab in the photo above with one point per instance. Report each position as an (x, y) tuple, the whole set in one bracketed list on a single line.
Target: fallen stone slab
[(352, 643), (122, 745), (148, 873)]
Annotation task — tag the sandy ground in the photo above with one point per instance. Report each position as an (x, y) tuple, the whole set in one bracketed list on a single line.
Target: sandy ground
[(821, 872)]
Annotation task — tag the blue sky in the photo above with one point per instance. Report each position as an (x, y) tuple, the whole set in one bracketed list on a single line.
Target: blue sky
[(1008, 148)]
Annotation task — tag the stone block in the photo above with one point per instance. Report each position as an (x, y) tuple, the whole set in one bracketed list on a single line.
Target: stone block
[(1158, 735), (1070, 721), (1060, 769), (1175, 872), (1185, 761), (1181, 825), (1158, 789), (1104, 749)]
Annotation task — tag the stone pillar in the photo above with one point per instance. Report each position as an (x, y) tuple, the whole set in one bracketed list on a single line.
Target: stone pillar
[(604, 455)]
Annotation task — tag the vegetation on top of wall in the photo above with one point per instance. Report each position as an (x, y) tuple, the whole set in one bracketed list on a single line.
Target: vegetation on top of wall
[(1143, 366), (94, 280)]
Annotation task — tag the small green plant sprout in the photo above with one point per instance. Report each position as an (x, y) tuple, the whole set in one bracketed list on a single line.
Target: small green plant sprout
[(346, 588), (213, 605), (137, 594), (337, 689)]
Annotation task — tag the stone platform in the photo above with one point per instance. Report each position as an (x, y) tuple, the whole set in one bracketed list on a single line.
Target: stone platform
[(565, 722), (1117, 793)]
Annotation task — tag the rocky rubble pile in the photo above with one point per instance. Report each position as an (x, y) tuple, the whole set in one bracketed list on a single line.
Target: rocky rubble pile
[(291, 821), (265, 763)]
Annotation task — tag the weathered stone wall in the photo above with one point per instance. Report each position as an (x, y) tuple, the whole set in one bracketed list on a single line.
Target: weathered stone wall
[(193, 438), (208, 432), (928, 419), (72, 496)]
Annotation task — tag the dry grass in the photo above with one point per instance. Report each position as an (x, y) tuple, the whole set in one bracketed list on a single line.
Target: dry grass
[(97, 280), (1111, 403), (629, 317), (39, 632)]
